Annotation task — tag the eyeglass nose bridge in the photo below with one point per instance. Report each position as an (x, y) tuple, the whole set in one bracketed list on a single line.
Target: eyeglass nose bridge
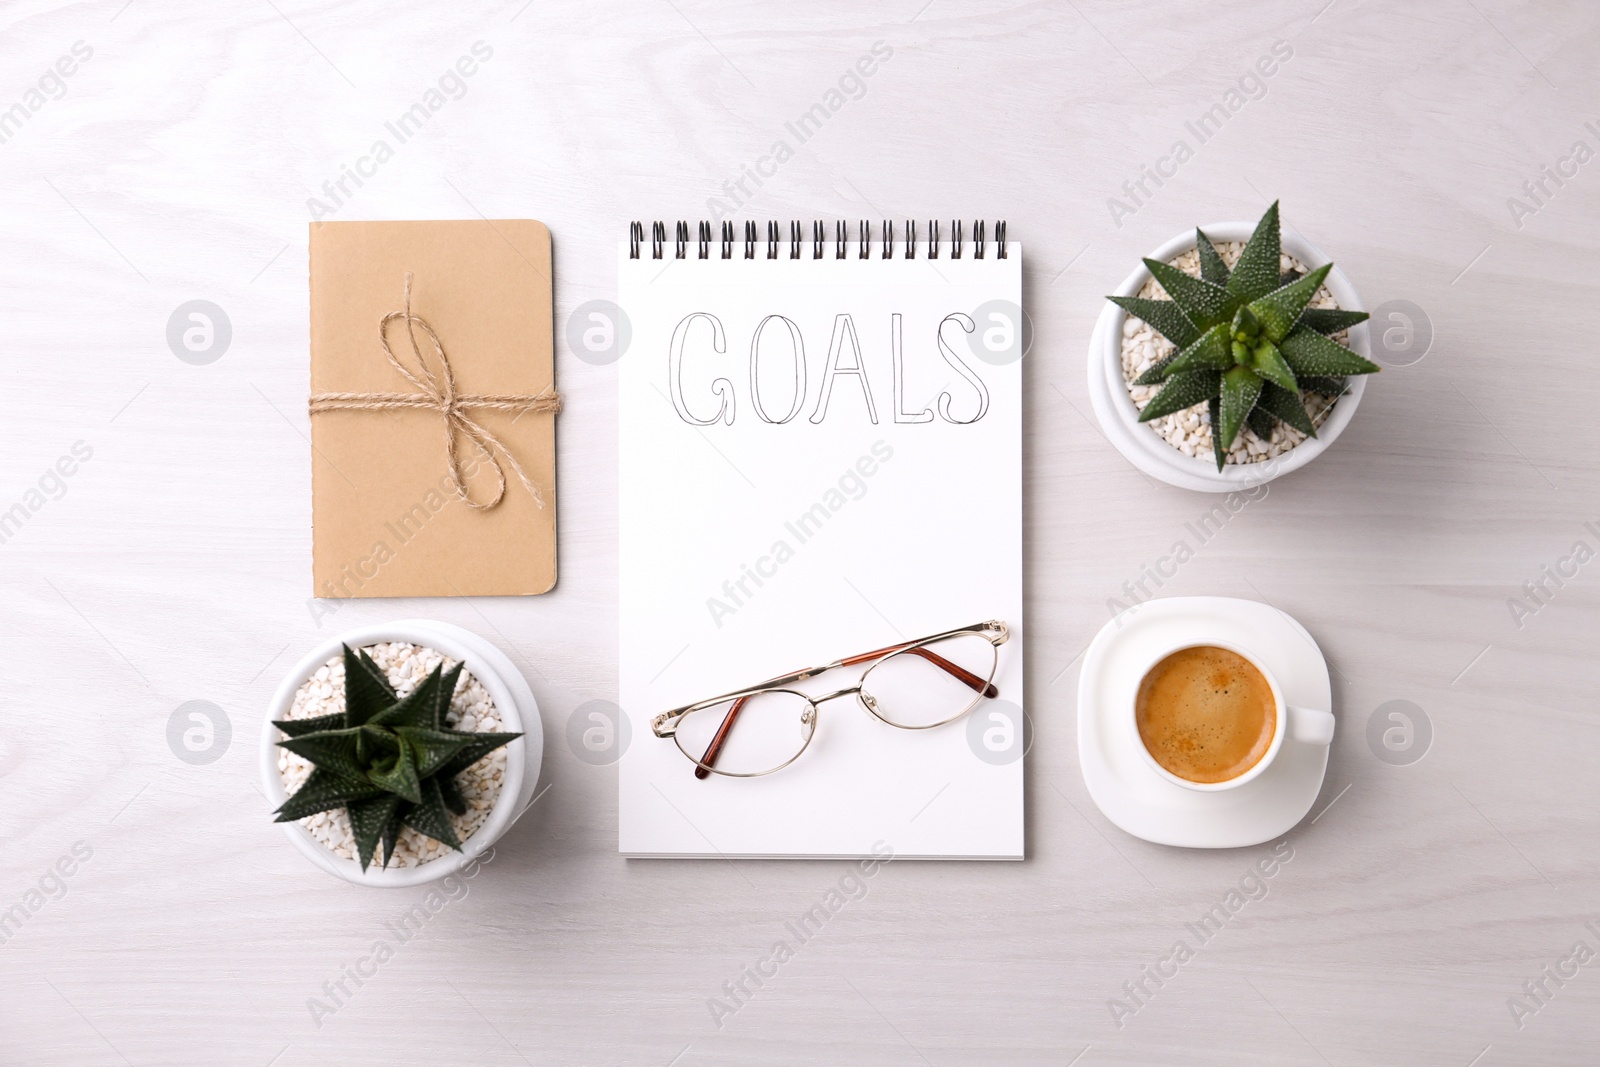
[(864, 698)]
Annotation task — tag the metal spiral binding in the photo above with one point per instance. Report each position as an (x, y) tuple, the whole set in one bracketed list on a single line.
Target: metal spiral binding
[(819, 239)]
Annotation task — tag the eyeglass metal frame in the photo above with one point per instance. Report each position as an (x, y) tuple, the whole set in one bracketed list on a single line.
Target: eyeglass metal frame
[(993, 631)]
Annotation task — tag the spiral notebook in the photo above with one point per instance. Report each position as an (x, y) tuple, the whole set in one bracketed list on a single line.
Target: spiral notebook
[(820, 455)]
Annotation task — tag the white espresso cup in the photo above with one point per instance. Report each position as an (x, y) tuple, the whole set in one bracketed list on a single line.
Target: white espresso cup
[(1310, 726)]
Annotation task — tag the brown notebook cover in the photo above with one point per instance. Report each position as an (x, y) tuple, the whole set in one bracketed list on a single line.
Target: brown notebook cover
[(386, 516)]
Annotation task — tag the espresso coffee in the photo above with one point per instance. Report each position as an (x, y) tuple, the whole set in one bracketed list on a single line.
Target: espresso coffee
[(1206, 714)]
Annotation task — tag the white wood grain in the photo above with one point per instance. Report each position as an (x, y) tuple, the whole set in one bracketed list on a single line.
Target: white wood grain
[(178, 165)]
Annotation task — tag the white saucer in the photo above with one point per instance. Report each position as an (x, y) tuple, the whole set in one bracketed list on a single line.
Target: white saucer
[(1146, 805)]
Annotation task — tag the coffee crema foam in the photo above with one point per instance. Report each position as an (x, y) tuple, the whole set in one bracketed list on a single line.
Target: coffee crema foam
[(1206, 714)]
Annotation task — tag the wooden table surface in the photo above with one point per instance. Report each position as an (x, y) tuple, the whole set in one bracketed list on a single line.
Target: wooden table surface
[(177, 162)]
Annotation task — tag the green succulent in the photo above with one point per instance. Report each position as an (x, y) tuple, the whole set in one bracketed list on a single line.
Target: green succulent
[(1246, 342), (390, 762)]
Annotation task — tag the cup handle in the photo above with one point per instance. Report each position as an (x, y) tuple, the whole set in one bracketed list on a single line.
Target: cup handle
[(1311, 725)]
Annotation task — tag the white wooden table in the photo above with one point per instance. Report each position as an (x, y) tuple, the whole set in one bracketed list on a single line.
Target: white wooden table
[(175, 164)]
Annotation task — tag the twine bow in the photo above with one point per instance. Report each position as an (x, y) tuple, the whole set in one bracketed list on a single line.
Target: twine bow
[(437, 392)]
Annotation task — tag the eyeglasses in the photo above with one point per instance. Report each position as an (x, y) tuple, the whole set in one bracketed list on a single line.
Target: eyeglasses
[(913, 685)]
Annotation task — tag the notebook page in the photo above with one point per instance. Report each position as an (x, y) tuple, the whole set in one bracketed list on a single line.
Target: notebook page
[(864, 488)]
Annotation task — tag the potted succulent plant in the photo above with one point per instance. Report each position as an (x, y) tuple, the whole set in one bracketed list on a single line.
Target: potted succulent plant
[(386, 754), (1249, 369)]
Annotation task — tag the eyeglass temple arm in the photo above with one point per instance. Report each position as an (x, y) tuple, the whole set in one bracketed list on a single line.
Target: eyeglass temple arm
[(665, 723), (714, 749), (966, 677)]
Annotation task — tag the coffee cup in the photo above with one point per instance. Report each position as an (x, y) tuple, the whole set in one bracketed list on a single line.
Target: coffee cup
[(1210, 716)]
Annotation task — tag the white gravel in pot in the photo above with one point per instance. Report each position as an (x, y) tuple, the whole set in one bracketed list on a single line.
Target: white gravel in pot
[(1189, 430), (472, 709)]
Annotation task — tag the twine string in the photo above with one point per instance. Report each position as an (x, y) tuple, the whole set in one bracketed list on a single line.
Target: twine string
[(436, 391)]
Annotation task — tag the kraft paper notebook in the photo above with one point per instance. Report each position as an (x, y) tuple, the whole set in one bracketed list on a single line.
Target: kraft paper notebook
[(820, 456), (469, 395)]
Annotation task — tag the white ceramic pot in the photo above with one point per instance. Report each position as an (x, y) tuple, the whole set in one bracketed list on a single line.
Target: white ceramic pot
[(1119, 417), (518, 713)]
